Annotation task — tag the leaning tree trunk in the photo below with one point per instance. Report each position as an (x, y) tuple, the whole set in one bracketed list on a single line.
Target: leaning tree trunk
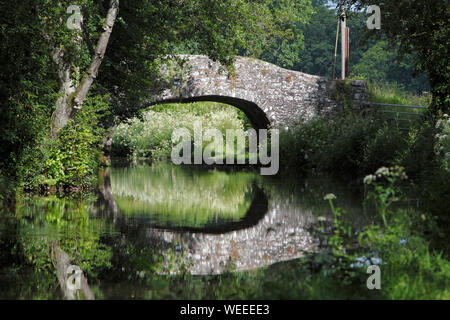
[(63, 110), (73, 94)]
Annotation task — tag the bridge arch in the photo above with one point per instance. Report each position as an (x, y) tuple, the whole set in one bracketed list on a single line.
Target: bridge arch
[(254, 113)]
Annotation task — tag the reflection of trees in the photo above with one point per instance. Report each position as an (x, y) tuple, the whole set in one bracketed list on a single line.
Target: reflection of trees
[(179, 197), (275, 226), (18, 278), (67, 222), (305, 193), (38, 222)]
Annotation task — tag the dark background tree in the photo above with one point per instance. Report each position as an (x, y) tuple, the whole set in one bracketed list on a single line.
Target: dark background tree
[(420, 27), (370, 57)]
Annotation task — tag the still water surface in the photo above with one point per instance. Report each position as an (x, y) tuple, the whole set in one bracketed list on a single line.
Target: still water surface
[(156, 220)]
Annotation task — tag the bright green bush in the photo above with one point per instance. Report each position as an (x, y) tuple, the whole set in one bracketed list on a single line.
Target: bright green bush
[(151, 135), (72, 159)]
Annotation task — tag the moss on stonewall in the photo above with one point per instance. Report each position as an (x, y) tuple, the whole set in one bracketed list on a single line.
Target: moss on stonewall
[(344, 94)]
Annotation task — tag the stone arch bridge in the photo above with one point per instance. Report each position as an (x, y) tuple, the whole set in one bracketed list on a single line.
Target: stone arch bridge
[(268, 95)]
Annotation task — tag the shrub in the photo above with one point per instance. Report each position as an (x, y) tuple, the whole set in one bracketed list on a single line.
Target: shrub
[(384, 148), (339, 145), (348, 137), (442, 145), (426, 160), (151, 135), (70, 160), (301, 145)]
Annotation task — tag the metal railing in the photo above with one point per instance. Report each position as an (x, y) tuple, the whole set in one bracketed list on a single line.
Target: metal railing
[(399, 115)]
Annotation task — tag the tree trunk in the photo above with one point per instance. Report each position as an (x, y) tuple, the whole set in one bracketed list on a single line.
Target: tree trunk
[(63, 110), (74, 94)]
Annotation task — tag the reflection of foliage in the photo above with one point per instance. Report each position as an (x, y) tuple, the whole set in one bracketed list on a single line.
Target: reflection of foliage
[(23, 282), (143, 259), (53, 219), (309, 190), (18, 279), (410, 270), (182, 197)]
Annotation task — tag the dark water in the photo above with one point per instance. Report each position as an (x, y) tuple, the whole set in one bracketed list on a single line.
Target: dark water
[(149, 223)]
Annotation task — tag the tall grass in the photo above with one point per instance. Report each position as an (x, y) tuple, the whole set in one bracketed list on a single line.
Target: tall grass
[(393, 94)]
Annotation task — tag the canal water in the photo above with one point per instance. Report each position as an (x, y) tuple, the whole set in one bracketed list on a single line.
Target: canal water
[(153, 230)]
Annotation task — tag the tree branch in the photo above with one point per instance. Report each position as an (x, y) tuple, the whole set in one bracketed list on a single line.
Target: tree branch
[(92, 71)]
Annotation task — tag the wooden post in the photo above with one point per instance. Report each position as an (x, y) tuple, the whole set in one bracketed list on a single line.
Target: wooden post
[(347, 51)]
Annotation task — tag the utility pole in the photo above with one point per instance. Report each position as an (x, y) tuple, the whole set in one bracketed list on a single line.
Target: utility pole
[(347, 52), (343, 39)]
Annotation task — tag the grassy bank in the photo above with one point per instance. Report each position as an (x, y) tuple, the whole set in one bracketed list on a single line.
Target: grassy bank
[(393, 94), (350, 145)]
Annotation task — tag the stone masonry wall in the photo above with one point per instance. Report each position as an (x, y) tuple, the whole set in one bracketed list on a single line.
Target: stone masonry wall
[(267, 93)]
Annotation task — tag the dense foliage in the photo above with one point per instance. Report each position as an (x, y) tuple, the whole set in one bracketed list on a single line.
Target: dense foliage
[(293, 34), (420, 27), (359, 144), (151, 136), (370, 58), (45, 65)]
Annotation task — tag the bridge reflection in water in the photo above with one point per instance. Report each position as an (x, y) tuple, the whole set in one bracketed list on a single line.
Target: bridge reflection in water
[(236, 222)]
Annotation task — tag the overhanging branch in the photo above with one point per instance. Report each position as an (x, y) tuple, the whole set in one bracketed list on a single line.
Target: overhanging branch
[(97, 58)]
